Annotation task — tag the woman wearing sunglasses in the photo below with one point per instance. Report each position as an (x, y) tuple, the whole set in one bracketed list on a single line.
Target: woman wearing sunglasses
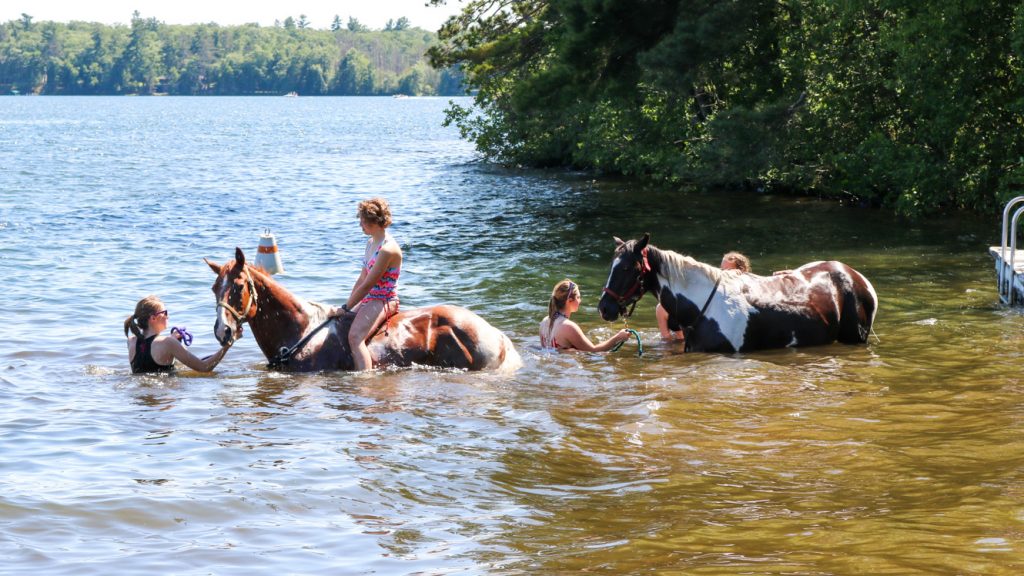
[(150, 352), (559, 332)]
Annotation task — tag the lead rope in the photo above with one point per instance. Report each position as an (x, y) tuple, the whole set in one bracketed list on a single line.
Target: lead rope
[(182, 334), (639, 343)]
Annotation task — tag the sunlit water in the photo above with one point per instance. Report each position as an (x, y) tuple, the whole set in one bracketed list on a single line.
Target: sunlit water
[(905, 456)]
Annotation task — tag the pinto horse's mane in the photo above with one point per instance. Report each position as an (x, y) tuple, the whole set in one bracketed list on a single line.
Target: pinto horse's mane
[(675, 267)]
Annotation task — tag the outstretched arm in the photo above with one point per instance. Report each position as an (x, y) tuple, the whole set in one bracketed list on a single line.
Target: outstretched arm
[(572, 333), (194, 362)]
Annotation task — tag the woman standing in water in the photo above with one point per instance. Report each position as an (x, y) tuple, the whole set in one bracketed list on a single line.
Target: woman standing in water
[(149, 351), (559, 332)]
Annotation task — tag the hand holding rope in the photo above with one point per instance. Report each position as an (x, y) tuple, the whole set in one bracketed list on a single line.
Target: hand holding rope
[(182, 334), (635, 335)]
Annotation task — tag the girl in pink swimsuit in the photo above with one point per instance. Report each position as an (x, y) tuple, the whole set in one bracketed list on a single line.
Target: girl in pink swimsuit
[(374, 297), (559, 332)]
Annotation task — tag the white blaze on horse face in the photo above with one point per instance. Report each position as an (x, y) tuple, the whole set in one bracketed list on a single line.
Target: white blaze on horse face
[(615, 266), (221, 325)]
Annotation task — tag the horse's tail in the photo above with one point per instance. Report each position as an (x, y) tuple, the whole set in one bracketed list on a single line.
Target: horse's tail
[(858, 308)]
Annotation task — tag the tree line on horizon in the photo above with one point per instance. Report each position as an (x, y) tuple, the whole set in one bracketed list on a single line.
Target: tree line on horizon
[(150, 57), (913, 106)]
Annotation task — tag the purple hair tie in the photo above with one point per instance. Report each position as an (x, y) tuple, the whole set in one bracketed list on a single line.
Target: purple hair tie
[(184, 335)]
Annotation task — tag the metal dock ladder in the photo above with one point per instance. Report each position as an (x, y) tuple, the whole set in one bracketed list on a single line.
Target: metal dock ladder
[(1010, 261)]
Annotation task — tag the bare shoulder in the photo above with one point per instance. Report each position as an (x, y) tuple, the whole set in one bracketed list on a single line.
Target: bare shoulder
[(569, 327)]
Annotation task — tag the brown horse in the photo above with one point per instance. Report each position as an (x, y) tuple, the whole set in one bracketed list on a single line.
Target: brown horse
[(444, 336), (730, 311)]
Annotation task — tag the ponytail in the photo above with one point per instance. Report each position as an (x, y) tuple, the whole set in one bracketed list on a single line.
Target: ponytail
[(559, 296), (129, 324), (139, 321)]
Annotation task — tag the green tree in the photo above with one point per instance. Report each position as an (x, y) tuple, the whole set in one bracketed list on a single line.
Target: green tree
[(890, 102), (355, 26), (150, 57), (355, 75)]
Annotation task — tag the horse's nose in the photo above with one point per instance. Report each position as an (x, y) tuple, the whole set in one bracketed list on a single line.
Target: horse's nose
[(222, 338), (609, 309)]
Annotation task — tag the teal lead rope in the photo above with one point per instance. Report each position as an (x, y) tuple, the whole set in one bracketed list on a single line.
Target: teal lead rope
[(639, 344)]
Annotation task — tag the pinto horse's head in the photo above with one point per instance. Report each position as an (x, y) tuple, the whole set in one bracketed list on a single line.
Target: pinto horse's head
[(625, 283), (236, 297)]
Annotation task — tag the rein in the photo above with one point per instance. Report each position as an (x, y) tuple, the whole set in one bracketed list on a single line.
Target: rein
[(285, 354), (688, 345)]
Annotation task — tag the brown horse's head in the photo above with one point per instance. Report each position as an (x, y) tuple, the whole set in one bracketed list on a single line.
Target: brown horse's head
[(625, 283), (236, 297)]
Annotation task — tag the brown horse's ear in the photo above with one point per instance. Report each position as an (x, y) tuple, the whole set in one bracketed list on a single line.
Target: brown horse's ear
[(239, 257), (213, 266), (618, 242), (643, 242)]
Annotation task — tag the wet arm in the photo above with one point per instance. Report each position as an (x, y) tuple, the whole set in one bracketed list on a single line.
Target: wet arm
[(194, 362), (579, 340)]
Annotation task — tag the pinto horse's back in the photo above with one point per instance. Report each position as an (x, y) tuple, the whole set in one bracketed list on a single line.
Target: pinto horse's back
[(856, 300), (445, 336)]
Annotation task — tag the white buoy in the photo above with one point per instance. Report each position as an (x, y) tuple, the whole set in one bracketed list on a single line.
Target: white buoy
[(267, 256)]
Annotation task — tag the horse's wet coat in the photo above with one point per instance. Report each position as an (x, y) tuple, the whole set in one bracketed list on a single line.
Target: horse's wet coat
[(444, 336), (818, 303)]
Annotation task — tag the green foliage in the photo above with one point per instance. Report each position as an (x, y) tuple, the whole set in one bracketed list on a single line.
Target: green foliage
[(912, 105), (149, 57)]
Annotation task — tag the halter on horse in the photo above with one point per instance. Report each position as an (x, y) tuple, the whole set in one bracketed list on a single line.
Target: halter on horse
[(729, 311), (444, 336)]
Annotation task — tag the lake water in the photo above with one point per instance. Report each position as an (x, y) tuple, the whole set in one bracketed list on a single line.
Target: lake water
[(905, 456)]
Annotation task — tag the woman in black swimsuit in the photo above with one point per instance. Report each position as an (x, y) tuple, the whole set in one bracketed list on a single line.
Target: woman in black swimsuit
[(150, 352)]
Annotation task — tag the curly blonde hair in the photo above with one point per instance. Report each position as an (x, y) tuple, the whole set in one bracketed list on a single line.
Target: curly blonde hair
[(741, 262), (375, 210)]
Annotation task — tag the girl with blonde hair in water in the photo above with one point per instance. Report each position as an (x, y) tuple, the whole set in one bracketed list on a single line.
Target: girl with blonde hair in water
[(559, 332)]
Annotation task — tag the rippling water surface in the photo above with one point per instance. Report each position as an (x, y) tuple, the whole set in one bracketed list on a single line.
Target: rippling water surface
[(904, 456)]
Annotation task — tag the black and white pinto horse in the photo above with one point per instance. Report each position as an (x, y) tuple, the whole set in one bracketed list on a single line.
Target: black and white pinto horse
[(732, 311)]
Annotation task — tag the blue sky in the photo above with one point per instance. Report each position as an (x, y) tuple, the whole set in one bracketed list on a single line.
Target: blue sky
[(320, 13)]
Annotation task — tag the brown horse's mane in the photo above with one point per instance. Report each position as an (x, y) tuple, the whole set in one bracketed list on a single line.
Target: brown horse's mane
[(283, 295)]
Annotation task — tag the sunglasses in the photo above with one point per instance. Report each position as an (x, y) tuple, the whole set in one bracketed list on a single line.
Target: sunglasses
[(160, 313)]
